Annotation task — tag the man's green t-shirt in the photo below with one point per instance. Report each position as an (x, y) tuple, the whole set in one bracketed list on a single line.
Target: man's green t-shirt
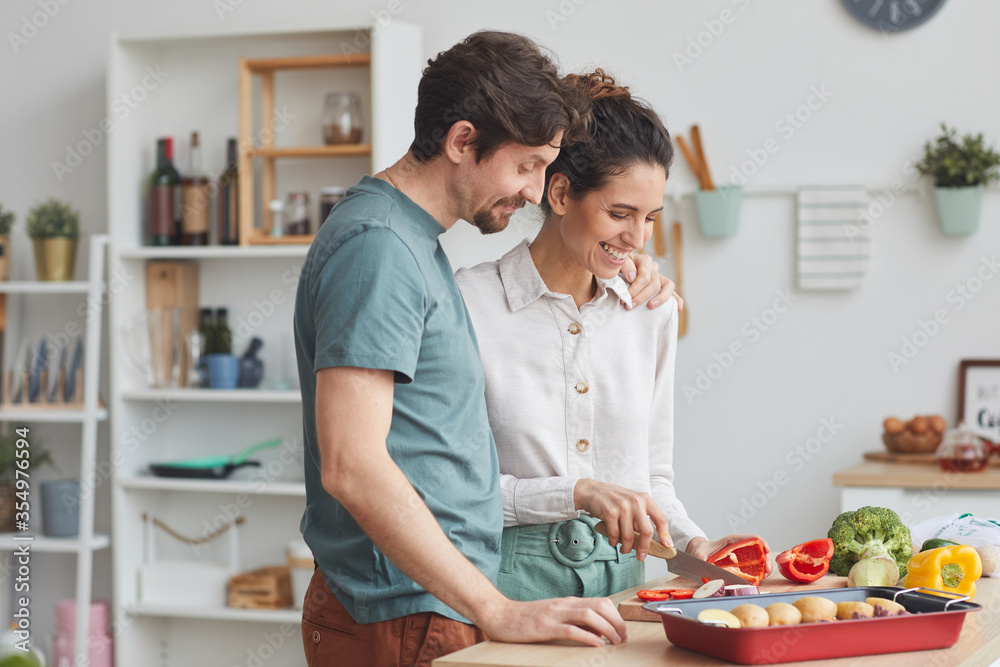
[(377, 291)]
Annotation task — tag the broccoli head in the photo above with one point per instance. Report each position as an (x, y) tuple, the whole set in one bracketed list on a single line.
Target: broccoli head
[(869, 531)]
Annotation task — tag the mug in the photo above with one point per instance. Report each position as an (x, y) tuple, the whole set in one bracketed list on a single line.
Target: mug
[(222, 370)]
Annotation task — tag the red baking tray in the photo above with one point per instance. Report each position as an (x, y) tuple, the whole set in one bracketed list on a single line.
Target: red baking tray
[(935, 623)]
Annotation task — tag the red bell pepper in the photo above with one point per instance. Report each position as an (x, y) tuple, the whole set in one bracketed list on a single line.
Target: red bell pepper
[(806, 562), (746, 558), (666, 594)]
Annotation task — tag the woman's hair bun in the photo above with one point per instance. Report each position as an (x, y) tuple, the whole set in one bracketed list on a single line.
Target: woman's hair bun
[(599, 85)]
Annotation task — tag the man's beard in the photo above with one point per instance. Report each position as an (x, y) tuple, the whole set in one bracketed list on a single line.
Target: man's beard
[(491, 221)]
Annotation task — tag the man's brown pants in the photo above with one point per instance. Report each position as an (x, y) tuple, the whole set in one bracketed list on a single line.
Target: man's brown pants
[(333, 639)]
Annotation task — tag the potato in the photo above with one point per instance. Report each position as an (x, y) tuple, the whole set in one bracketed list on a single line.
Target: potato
[(847, 610), (751, 616), (730, 620), (892, 426), (815, 608), (782, 613), (889, 605)]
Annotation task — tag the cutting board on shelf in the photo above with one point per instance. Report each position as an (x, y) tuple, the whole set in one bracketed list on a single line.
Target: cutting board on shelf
[(931, 458), (631, 609)]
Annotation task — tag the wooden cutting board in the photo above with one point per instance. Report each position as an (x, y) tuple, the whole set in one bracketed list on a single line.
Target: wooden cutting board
[(913, 458), (631, 609)]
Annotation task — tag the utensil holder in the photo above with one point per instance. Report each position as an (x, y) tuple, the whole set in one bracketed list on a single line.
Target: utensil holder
[(719, 210)]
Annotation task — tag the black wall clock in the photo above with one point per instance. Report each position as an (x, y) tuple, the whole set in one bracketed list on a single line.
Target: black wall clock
[(892, 15)]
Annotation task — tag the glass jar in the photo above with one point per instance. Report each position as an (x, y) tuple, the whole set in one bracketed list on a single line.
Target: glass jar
[(328, 198), (297, 213), (342, 119), (962, 451)]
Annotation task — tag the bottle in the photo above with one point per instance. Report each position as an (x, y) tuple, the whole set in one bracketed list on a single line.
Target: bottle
[(164, 195), (229, 221), (206, 327), (223, 336), (195, 200), (277, 208)]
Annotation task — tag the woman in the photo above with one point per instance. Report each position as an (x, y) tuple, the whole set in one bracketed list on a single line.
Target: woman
[(579, 391)]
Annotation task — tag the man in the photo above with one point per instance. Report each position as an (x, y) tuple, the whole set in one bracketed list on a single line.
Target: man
[(403, 509)]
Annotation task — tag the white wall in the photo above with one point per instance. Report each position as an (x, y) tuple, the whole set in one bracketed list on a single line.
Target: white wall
[(824, 359)]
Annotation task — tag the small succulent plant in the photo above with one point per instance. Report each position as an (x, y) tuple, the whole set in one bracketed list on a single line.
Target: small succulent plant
[(957, 164), (53, 219)]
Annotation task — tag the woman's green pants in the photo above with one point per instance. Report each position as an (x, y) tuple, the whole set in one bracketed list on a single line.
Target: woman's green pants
[(565, 558)]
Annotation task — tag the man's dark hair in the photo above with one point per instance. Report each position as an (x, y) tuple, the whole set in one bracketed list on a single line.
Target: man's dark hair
[(505, 86), (623, 131)]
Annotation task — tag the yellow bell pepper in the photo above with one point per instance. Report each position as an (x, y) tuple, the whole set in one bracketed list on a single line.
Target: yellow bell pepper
[(953, 569)]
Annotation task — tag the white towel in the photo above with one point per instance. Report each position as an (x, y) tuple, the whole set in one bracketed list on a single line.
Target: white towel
[(834, 246)]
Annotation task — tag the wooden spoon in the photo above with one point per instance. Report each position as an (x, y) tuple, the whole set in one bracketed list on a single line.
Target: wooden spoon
[(682, 322), (659, 238)]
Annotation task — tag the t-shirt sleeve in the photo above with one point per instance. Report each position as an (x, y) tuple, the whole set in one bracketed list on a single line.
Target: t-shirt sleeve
[(369, 302)]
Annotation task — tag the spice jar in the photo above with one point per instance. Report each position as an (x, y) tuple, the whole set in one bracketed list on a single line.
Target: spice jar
[(962, 451), (328, 198), (342, 119), (297, 213)]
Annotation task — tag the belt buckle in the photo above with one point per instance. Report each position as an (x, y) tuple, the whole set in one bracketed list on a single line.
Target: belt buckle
[(560, 557)]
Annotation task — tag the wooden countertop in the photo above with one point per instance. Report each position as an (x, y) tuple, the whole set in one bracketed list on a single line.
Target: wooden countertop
[(647, 645), (916, 476)]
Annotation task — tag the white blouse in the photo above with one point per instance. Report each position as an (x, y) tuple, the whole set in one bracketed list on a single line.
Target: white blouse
[(574, 393)]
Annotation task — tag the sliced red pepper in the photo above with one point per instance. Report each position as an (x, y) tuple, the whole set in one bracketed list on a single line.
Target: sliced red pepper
[(666, 594), (806, 562), (682, 593), (747, 558)]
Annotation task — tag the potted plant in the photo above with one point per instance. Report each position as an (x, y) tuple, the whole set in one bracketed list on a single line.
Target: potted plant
[(8, 475), (54, 228), (961, 170), (6, 222)]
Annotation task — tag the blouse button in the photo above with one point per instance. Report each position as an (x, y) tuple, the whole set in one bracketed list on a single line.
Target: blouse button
[(575, 328), (582, 388), (582, 446), (316, 636)]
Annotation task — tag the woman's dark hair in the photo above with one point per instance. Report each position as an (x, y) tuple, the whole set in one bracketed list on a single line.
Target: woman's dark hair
[(505, 86), (623, 131)]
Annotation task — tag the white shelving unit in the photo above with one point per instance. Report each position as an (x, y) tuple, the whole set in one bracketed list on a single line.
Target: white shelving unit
[(86, 543), (56, 545), (257, 284), (217, 396)]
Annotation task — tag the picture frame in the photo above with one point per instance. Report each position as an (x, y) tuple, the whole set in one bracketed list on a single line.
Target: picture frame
[(979, 397)]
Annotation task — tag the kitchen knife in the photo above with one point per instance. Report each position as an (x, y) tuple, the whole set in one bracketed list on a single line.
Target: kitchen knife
[(684, 564)]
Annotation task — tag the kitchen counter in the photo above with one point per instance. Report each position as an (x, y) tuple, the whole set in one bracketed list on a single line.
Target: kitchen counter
[(916, 476), (647, 646), (919, 491)]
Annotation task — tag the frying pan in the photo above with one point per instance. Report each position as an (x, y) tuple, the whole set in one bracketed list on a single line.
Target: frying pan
[(211, 467)]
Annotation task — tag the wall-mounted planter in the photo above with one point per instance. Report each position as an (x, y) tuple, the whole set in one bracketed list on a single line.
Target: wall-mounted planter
[(958, 209), (61, 507), (4, 254), (719, 210)]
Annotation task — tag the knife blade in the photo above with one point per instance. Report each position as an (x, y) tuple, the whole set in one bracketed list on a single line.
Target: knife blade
[(684, 564)]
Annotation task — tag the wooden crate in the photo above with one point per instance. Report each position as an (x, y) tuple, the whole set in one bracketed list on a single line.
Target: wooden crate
[(266, 588)]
